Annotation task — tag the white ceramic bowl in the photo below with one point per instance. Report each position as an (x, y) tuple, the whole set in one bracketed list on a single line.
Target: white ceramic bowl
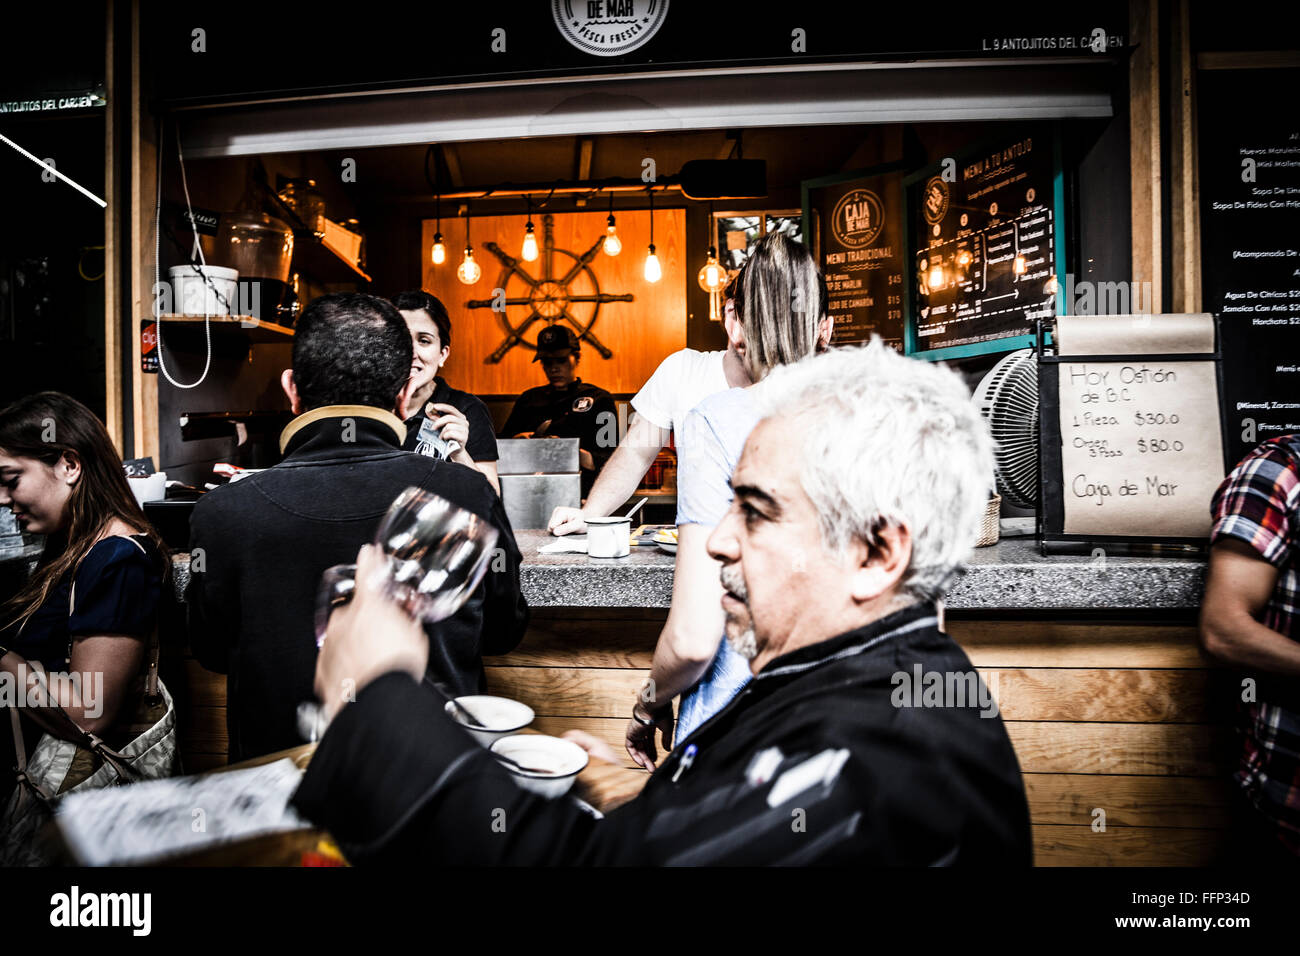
[(501, 715), (563, 758)]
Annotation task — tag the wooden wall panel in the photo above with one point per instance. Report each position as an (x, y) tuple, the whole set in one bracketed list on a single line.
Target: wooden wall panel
[(1130, 801), (1125, 846), (1056, 644), (639, 333), (1144, 150), (569, 691), (1183, 750)]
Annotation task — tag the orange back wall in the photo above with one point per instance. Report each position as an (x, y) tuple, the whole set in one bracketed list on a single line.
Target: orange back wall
[(639, 334)]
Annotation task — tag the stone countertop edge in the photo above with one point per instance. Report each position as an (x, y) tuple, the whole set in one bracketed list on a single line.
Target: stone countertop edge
[(1009, 576)]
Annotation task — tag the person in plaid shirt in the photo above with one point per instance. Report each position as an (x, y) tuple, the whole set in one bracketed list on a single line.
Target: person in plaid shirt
[(1250, 618)]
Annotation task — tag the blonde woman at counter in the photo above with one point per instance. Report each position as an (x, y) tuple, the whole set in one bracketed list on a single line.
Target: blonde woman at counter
[(681, 382), (691, 657)]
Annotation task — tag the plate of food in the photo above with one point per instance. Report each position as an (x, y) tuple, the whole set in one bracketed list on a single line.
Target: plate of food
[(666, 540), (644, 535)]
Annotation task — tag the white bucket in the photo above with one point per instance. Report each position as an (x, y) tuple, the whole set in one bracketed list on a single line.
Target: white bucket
[(149, 487), (193, 296)]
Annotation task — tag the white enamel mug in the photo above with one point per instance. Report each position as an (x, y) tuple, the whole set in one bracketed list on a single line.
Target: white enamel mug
[(609, 537)]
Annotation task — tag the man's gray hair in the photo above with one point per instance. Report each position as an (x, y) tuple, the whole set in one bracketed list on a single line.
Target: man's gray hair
[(889, 441)]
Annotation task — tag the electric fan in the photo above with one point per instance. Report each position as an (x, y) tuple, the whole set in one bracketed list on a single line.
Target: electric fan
[(1007, 397)]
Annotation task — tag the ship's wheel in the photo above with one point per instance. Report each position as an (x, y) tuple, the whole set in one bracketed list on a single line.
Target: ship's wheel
[(550, 298)]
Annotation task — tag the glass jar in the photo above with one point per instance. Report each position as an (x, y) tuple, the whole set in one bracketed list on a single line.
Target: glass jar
[(255, 245), (306, 201), (260, 248)]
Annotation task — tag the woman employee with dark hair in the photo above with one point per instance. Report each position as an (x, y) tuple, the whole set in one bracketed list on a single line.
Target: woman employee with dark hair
[(456, 416)]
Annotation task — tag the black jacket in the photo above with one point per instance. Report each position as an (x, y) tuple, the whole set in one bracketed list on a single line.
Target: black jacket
[(812, 763), (266, 539)]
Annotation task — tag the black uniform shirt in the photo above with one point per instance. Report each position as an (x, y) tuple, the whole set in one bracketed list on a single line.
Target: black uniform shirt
[(573, 412), (482, 444)]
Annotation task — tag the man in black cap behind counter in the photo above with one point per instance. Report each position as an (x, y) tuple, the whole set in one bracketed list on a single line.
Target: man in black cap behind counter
[(566, 407)]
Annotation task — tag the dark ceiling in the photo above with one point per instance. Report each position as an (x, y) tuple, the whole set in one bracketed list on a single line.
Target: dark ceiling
[(395, 175)]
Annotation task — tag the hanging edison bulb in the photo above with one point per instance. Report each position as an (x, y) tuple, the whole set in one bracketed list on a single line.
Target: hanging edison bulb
[(963, 258), (653, 273), (935, 279), (613, 244), (468, 271), (652, 270), (712, 276), (439, 250), (1018, 265), (530, 243)]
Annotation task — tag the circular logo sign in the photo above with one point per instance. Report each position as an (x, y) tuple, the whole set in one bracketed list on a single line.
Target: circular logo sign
[(608, 27), (857, 218), (935, 200)]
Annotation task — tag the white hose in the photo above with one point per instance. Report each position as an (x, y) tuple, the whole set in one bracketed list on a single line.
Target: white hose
[(157, 269)]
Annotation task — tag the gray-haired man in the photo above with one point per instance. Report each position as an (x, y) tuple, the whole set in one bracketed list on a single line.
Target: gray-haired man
[(856, 498)]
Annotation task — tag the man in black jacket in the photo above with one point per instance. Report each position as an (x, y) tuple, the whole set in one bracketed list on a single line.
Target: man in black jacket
[(865, 737), (259, 546)]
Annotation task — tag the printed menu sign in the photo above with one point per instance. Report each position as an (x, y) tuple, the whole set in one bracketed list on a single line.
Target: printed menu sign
[(861, 241), (1141, 449), (1250, 189), (984, 246)]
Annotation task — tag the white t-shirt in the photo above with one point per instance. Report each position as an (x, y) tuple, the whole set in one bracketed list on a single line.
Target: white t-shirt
[(682, 381)]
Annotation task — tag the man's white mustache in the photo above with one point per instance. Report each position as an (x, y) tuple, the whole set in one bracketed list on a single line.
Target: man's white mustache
[(734, 581)]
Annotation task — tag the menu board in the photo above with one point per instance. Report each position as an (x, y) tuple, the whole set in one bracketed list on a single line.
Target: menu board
[(860, 237), (1141, 447), (1250, 194), (984, 245)]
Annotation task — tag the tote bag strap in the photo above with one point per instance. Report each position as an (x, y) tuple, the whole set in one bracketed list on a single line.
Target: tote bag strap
[(27, 787), (70, 730)]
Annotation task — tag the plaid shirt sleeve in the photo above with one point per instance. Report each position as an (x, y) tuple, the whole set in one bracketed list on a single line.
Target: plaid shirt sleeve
[(1257, 502)]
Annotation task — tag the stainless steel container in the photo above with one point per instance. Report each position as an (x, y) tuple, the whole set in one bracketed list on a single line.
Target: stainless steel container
[(537, 476)]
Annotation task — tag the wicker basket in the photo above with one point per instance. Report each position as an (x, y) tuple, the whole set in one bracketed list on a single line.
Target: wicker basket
[(989, 525)]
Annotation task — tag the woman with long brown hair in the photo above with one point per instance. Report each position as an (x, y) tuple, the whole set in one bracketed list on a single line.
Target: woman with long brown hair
[(78, 642)]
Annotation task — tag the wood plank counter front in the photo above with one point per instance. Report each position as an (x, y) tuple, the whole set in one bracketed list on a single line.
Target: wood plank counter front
[(1126, 755)]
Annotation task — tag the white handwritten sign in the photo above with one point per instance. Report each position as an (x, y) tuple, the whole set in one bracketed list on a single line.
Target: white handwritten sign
[(1141, 445)]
